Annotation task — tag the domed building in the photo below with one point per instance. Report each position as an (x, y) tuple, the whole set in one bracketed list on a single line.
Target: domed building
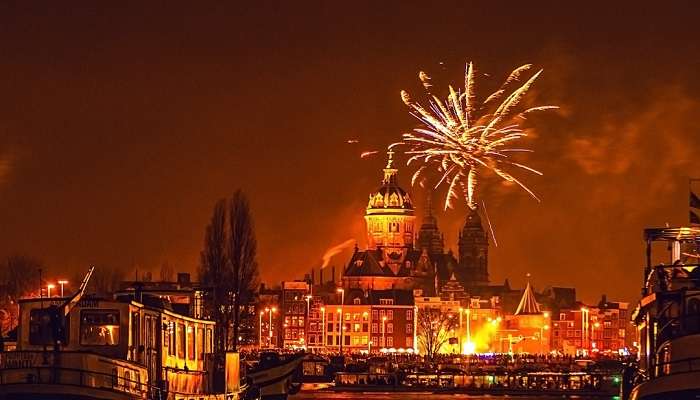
[(398, 258)]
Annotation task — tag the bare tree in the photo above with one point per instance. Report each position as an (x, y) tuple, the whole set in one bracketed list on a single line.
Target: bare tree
[(242, 248), (434, 330), (215, 274), (105, 280), (19, 277)]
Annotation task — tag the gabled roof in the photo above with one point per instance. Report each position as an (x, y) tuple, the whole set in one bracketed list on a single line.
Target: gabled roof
[(528, 303), (365, 263)]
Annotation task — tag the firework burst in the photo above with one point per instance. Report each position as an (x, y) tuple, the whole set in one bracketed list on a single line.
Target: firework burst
[(462, 137)]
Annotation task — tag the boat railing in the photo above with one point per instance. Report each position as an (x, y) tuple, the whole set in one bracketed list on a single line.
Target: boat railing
[(77, 377), (664, 278), (676, 367)]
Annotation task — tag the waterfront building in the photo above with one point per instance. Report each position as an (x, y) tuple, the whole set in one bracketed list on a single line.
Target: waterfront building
[(527, 329), (585, 329), (294, 311)]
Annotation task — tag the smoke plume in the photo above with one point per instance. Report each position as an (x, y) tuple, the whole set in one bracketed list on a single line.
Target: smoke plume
[(335, 250)]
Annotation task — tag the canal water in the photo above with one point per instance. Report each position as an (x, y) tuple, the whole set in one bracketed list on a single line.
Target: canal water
[(318, 395)]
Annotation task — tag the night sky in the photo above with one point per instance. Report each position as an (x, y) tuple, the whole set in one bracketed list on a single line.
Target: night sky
[(121, 125)]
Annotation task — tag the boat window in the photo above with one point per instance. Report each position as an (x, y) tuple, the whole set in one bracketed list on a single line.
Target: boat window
[(210, 340), (202, 350), (171, 338), (190, 342), (40, 330), (181, 340), (99, 327)]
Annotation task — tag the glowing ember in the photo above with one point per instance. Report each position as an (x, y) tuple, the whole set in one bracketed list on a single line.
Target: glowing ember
[(462, 137)]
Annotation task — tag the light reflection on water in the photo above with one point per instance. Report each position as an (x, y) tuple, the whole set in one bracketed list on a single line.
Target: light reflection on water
[(310, 395)]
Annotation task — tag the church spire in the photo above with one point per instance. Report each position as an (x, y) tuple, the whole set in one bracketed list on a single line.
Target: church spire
[(390, 171), (473, 250), (429, 236)]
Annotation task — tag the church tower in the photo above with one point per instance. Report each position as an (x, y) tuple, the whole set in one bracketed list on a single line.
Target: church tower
[(429, 236), (390, 218), (473, 250)]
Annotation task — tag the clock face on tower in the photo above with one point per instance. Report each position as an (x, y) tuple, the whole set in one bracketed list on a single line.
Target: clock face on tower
[(393, 254)]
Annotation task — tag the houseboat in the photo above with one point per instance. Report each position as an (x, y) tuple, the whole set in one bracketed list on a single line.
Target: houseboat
[(668, 318), (136, 345)]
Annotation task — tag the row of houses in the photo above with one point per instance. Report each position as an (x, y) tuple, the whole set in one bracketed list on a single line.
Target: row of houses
[(331, 318)]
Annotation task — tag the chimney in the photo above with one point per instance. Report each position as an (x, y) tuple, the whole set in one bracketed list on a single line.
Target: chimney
[(320, 276), (333, 274), (183, 278)]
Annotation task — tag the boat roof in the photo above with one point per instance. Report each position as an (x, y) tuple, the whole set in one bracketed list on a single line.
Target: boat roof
[(673, 234)]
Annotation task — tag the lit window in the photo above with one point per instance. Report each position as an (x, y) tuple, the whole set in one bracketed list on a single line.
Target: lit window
[(409, 315), (99, 327)]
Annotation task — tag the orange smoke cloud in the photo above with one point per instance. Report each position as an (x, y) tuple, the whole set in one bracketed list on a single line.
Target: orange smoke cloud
[(335, 250)]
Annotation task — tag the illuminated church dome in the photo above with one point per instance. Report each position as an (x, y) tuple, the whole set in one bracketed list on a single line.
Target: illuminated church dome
[(390, 217), (390, 196)]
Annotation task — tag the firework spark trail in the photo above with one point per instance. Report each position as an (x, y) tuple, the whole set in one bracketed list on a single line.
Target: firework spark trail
[(368, 153), (461, 137)]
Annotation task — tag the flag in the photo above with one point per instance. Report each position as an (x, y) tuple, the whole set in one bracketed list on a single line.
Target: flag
[(694, 219), (694, 200)]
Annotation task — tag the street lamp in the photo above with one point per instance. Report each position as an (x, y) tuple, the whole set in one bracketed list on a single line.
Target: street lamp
[(342, 322), (62, 282), (468, 311), (384, 332), (323, 327), (584, 327), (340, 326), (260, 330), (49, 287), (365, 318), (308, 315), (272, 310), (596, 325), (542, 329)]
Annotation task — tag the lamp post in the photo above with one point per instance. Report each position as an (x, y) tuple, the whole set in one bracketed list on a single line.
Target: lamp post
[(272, 310), (584, 327), (384, 332), (365, 318), (260, 330), (323, 327), (469, 327), (342, 322), (542, 329), (49, 287), (306, 324), (340, 327), (596, 325), (62, 282)]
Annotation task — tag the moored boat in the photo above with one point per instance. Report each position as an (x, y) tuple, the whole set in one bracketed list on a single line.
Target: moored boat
[(668, 319), (127, 347)]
